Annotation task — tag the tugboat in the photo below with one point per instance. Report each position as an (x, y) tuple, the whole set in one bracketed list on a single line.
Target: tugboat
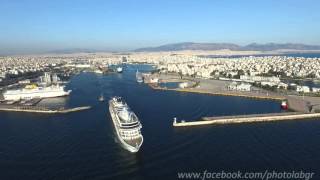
[(101, 98), (284, 105)]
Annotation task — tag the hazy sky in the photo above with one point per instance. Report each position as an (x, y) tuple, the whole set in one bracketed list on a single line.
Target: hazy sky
[(42, 25)]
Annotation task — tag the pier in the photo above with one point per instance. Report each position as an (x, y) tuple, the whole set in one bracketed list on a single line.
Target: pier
[(40, 109), (247, 119)]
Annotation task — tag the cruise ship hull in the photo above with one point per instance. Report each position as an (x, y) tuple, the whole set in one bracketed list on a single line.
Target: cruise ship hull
[(124, 143)]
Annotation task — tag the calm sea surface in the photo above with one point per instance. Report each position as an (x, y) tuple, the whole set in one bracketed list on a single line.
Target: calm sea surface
[(82, 145)]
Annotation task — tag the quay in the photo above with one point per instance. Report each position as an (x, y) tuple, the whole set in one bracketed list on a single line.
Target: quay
[(40, 109), (304, 107), (303, 104), (221, 93), (247, 119)]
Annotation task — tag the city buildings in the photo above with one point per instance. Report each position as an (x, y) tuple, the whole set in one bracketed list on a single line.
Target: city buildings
[(265, 70)]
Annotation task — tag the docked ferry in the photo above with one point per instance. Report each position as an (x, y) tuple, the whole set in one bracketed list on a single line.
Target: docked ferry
[(33, 91), (126, 124)]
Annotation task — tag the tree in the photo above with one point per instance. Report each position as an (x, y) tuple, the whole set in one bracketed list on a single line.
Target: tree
[(241, 72)]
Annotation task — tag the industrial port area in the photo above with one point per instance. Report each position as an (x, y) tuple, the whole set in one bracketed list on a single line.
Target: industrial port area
[(26, 81), (167, 89), (278, 78)]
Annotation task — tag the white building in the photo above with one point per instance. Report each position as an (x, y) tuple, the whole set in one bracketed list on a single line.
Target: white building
[(260, 78), (283, 85), (27, 81), (234, 86), (3, 75), (315, 90), (304, 89), (185, 84)]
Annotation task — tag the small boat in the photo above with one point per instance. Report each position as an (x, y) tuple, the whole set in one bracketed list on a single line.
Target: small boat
[(119, 69), (101, 98), (97, 71)]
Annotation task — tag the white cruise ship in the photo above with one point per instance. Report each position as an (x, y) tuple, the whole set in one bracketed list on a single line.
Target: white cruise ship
[(127, 124), (33, 91)]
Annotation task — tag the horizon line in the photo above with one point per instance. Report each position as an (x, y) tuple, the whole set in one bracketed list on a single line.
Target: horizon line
[(103, 50)]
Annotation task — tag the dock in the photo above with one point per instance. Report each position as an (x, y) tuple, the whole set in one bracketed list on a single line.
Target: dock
[(304, 107), (296, 102), (253, 118), (39, 109), (222, 93)]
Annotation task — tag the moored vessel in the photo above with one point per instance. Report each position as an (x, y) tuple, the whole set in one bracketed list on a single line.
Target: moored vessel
[(34, 91), (126, 123), (139, 77)]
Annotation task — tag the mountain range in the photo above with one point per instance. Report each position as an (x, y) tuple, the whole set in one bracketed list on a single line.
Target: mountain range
[(72, 50), (230, 46)]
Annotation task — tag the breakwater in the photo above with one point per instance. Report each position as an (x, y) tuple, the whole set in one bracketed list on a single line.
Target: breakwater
[(40, 109), (247, 119)]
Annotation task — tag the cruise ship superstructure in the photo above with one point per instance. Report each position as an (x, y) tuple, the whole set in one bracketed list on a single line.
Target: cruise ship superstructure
[(126, 124)]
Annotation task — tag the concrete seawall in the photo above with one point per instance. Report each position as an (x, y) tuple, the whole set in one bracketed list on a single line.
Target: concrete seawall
[(41, 110), (248, 119), (232, 94)]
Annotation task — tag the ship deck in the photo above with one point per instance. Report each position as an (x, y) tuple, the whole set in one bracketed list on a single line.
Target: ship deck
[(134, 142)]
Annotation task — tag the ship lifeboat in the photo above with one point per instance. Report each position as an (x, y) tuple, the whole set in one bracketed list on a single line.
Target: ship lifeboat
[(284, 105)]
